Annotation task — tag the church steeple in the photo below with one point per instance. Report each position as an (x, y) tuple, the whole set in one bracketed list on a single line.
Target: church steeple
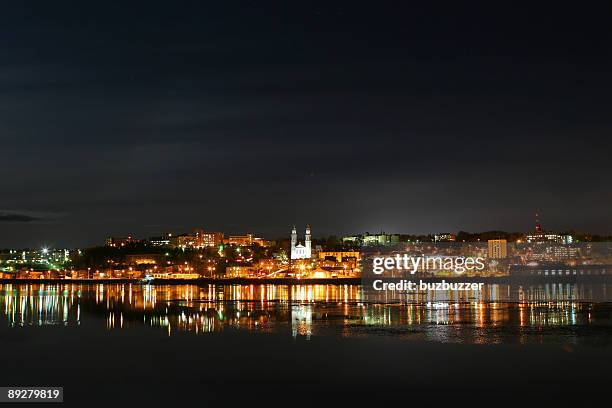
[(307, 243), (293, 238)]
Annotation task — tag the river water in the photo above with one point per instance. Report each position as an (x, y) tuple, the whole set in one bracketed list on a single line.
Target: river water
[(499, 314), (170, 345)]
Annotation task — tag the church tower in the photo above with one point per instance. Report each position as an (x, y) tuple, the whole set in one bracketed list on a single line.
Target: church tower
[(293, 239), (307, 242)]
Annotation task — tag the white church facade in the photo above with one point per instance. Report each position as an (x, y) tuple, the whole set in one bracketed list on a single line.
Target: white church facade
[(299, 251)]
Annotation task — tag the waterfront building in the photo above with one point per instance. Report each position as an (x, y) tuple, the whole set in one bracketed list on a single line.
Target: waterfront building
[(183, 275), (320, 273), (299, 251), (553, 270), (241, 271), (349, 267), (175, 275)]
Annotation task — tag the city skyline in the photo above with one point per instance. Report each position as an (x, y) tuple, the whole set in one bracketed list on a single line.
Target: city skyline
[(25, 238), (254, 237)]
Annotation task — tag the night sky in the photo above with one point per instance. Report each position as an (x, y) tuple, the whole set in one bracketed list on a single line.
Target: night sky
[(254, 116)]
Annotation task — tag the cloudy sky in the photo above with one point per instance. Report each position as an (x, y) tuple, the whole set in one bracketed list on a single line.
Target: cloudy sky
[(247, 116)]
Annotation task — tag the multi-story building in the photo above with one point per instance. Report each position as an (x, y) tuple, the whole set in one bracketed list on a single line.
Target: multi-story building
[(160, 241), (241, 240), (543, 236), (208, 239), (539, 236), (248, 240), (562, 252), (371, 239), (199, 239), (339, 256), (183, 241), (497, 248)]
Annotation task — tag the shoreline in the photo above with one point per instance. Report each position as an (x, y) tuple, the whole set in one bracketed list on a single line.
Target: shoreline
[(319, 281), (199, 281)]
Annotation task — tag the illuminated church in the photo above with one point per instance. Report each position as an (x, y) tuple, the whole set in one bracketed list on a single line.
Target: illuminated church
[(299, 251)]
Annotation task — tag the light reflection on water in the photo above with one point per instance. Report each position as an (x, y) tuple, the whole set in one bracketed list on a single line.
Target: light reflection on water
[(501, 313)]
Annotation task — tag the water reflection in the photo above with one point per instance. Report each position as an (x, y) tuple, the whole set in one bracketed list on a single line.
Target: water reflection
[(501, 313)]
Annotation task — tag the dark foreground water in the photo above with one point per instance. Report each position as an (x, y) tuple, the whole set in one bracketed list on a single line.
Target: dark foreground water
[(296, 345)]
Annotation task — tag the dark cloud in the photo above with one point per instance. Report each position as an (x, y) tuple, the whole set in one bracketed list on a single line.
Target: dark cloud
[(15, 217)]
